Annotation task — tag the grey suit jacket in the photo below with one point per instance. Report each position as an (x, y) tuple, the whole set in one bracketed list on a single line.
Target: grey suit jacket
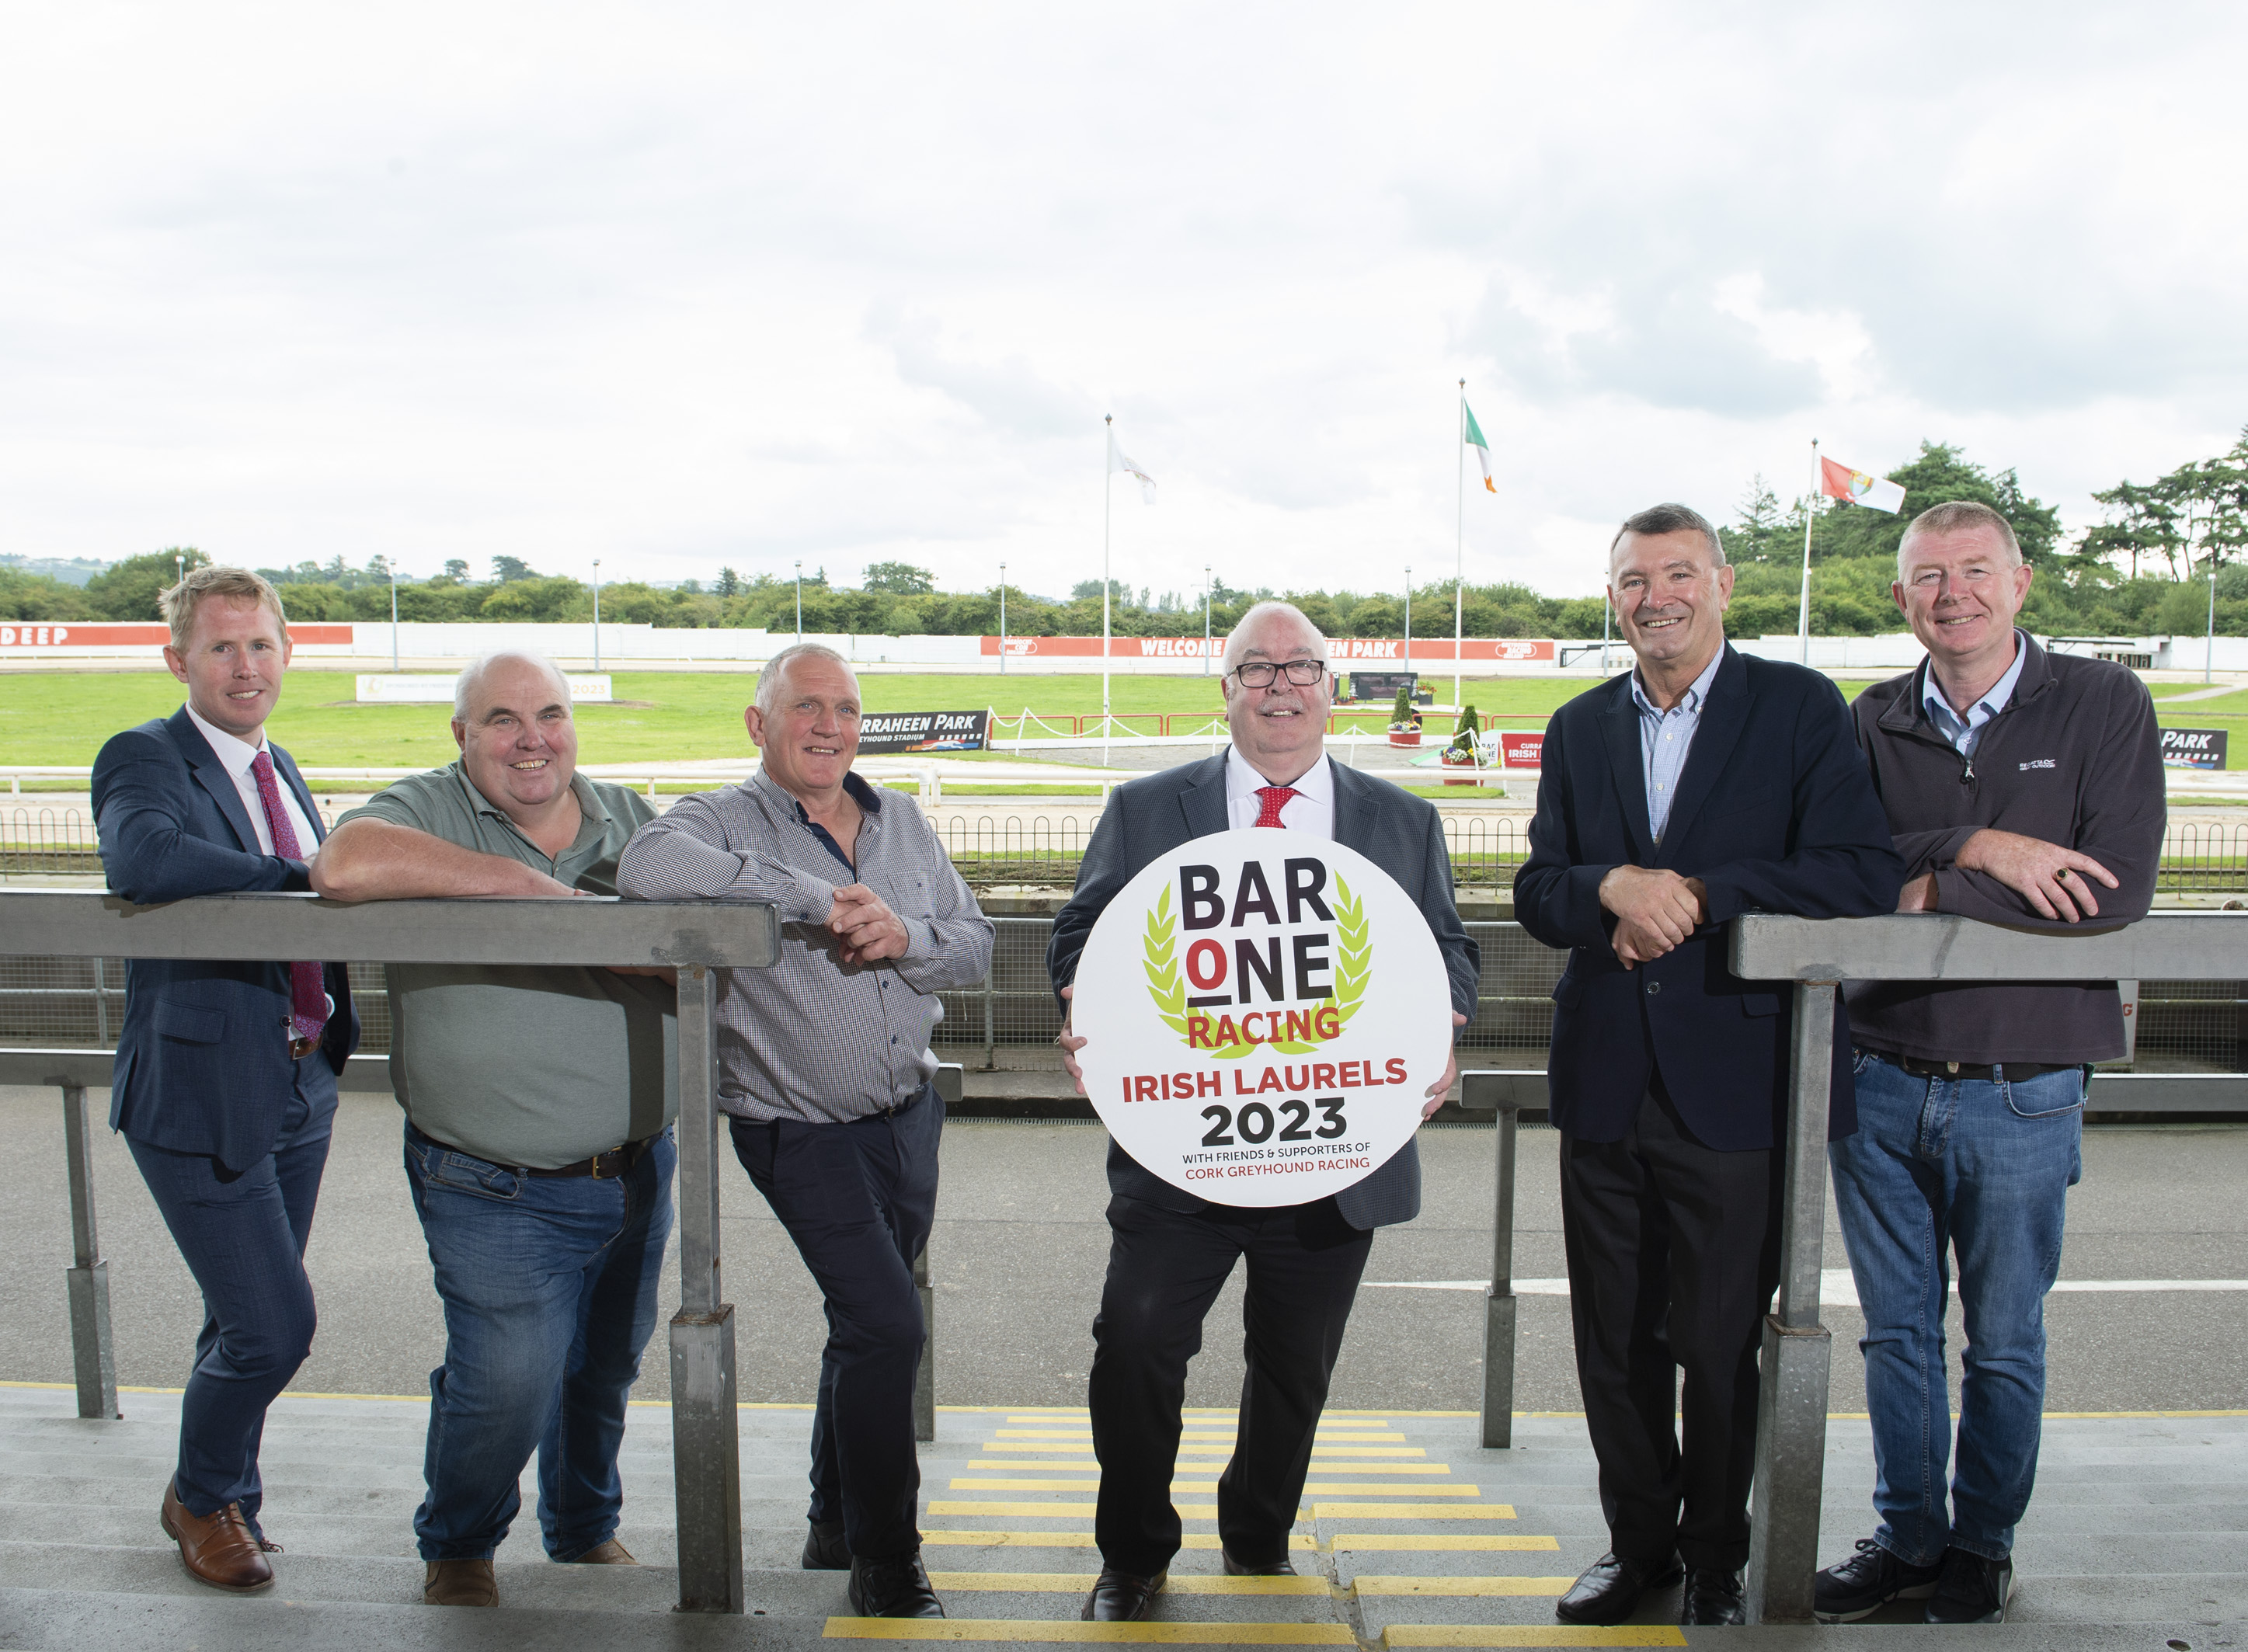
[(1398, 832)]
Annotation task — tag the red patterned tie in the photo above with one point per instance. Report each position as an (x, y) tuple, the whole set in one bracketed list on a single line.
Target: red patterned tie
[(308, 999), (1274, 800)]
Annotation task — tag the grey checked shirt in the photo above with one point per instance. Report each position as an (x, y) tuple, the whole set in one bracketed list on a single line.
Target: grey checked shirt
[(1665, 738), (812, 1038)]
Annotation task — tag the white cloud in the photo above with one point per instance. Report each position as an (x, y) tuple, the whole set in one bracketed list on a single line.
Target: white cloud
[(701, 284)]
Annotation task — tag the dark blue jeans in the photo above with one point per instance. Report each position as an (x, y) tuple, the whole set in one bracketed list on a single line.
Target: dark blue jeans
[(859, 1199), (1979, 1170), (549, 1284), (242, 1234)]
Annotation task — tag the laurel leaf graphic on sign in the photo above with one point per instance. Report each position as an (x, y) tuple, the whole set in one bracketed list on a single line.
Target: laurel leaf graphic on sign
[(1162, 973), (1354, 958)]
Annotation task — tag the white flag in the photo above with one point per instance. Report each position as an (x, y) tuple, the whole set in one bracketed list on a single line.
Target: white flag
[(1117, 461)]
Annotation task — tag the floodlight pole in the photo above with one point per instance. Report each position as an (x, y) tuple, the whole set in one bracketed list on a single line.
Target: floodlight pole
[(1003, 618), (1107, 470), (1409, 630), (1459, 550), (394, 616), (1803, 610), (2209, 658), (1205, 619), (799, 600), (596, 613)]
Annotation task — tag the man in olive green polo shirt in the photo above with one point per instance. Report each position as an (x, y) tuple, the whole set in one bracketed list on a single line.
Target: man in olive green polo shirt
[(538, 1103)]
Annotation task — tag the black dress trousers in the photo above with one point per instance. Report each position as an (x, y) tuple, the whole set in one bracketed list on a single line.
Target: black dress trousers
[(1674, 1255), (1165, 1268)]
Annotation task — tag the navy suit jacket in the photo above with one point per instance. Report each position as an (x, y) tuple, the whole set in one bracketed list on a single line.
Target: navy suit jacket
[(203, 1061), (1398, 832), (1775, 812)]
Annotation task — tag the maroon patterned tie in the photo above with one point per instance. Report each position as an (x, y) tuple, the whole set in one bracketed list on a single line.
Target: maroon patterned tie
[(1274, 798), (308, 999)]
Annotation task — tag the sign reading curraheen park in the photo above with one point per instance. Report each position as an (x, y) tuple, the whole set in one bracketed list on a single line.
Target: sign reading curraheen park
[(881, 731), (1264, 1013)]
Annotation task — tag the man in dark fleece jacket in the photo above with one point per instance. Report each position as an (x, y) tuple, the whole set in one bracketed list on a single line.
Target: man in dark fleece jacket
[(2023, 788)]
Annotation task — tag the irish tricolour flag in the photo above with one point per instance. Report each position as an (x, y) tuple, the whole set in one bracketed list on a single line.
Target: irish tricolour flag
[(1840, 482), (1483, 448)]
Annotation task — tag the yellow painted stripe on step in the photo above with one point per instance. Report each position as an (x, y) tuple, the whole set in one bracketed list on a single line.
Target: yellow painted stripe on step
[(1056, 1510), (1205, 1470), (1529, 1635), (1409, 1512), (1080, 1582), (1042, 1434), (1442, 1542), (1049, 1419), (1318, 1452), (1367, 1584), (1204, 1483), (1073, 1630), (1010, 1445), (966, 1539)]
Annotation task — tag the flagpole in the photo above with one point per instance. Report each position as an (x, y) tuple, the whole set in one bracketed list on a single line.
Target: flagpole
[(1803, 611), (1108, 471), (1459, 543)]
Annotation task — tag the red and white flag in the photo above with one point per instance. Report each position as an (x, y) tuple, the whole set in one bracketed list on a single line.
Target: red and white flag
[(1840, 482)]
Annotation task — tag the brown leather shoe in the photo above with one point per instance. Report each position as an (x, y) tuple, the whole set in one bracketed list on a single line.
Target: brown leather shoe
[(216, 1549), (459, 1583), (610, 1554)]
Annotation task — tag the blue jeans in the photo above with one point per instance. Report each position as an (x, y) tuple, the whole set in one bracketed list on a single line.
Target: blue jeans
[(859, 1200), (243, 1235), (1981, 1169), (549, 1284)]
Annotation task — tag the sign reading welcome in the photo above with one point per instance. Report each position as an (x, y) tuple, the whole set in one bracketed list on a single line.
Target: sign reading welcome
[(1265, 1012)]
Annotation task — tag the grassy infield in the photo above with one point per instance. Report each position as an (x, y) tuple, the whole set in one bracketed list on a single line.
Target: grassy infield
[(61, 718)]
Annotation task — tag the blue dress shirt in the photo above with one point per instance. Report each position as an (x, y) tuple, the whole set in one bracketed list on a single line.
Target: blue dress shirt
[(1966, 733), (1666, 737)]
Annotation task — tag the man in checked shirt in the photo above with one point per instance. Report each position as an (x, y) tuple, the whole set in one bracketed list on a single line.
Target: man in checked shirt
[(823, 1066)]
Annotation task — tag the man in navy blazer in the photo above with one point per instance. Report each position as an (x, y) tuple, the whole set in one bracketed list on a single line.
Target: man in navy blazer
[(225, 1081), (1170, 1253), (1698, 787)]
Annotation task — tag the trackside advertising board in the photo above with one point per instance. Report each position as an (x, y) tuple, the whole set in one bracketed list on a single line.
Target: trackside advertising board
[(2194, 748), (924, 731), (1264, 1013)]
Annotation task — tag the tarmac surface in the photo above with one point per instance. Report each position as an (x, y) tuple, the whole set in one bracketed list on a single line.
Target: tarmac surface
[(1021, 1245)]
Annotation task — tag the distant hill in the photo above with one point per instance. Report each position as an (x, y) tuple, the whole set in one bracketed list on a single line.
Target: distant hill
[(76, 571)]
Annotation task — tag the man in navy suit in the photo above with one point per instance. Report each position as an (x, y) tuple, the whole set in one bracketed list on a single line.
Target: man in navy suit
[(1170, 1253), (1701, 785), (225, 1082)]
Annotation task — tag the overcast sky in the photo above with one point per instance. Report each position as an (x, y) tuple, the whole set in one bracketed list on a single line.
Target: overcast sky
[(678, 285)]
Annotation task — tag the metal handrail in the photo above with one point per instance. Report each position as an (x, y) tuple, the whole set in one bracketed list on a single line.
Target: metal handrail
[(696, 937), (1817, 955)]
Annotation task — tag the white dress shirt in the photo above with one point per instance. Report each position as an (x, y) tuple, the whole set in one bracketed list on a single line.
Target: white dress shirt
[(1311, 810), (236, 756)]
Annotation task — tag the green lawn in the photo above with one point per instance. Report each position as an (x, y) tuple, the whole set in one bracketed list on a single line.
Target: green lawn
[(63, 717)]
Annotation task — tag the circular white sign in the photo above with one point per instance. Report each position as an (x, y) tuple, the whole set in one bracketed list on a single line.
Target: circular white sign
[(1263, 1012)]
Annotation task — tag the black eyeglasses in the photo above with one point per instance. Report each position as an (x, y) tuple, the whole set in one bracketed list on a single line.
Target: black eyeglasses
[(1259, 674)]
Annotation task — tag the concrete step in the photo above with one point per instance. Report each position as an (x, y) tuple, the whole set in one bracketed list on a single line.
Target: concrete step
[(2140, 1535)]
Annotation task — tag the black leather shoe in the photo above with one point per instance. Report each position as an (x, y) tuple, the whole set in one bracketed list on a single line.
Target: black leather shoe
[(1280, 1568), (1712, 1597), (1118, 1597), (1971, 1590), (825, 1549), (893, 1588), (1868, 1581), (1609, 1591)]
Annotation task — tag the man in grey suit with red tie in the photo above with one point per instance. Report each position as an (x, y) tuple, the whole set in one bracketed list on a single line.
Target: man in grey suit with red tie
[(225, 1082), (1169, 1252)]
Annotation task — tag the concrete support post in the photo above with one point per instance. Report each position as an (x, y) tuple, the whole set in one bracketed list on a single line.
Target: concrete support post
[(948, 1081), (1499, 1304), (1790, 1456), (93, 1351), (706, 1445)]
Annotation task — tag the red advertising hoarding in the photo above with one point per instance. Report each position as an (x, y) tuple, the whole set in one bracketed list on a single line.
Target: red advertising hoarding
[(28, 634), (1434, 651)]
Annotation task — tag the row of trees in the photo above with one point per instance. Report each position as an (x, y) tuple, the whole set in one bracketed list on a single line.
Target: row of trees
[(2140, 573)]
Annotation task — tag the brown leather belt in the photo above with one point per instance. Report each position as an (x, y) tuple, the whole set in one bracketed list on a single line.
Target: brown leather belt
[(299, 1048), (602, 1166), (1978, 1072)]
